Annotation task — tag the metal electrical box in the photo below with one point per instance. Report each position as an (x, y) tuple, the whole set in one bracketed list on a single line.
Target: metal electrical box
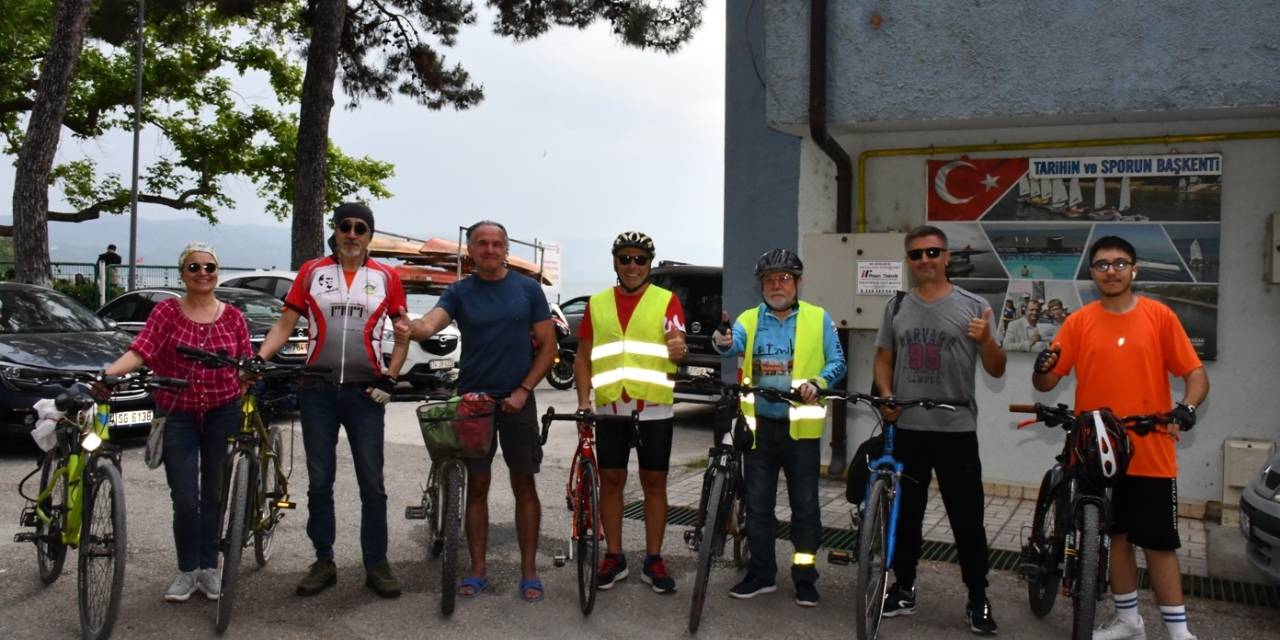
[(1241, 461), (853, 275)]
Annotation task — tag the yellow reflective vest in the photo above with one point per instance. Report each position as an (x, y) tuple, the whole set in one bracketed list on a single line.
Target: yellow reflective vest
[(808, 359), (634, 360)]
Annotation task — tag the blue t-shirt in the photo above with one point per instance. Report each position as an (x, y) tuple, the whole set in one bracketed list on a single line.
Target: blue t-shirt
[(495, 318)]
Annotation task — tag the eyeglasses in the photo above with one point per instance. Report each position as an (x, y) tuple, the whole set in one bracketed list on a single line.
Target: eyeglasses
[(347, 227), (777, 278), (932, 252), (1119, 266), (209, 267), (627, 259)]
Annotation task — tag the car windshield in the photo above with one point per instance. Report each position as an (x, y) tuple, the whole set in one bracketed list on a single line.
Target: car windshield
[(255, 305), (44, 311), (421, 303)]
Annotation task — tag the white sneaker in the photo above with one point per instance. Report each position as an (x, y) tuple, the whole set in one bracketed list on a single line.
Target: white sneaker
[(210, 582), (1120, 629), (183, 586)]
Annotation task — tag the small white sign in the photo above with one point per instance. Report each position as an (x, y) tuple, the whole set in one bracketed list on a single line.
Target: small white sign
[(879, 277)]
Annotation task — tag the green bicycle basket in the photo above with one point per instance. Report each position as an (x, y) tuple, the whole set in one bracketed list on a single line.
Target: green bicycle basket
[(460, 427)]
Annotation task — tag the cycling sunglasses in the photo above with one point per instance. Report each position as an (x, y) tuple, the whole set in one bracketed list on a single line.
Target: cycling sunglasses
[(359, 227), (932, 252), (209, 267), (638, 260)]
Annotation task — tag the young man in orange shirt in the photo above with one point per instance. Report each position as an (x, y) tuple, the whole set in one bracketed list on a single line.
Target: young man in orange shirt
[(1123, 349)]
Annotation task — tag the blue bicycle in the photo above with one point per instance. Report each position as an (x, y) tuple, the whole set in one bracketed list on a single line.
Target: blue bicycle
[(876, 519)]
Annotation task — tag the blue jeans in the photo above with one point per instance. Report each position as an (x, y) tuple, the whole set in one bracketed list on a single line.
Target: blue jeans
[(195, 448), (324, 407), (799, 459)]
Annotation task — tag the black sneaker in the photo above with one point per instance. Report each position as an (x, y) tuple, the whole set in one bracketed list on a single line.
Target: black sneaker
[(899, 601), (981, 621), (612, 569), (751, 587), (806, 594), (655, 575)]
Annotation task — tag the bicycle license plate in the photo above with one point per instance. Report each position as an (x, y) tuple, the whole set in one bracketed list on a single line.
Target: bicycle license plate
[(121, 418), (294, 349), (437, 365)]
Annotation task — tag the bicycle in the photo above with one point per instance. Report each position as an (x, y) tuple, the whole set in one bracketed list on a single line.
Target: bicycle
[(453, 430), (1068, 547), (582, 496), (876, 518), (255, 483), (81, 500), (723, 500)]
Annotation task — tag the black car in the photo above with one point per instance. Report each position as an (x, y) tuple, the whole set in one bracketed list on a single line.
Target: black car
[(129, 312), (43, 328), (699, 290), (573, 309)]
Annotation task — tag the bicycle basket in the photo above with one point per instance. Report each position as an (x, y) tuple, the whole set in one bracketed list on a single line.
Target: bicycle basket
[(459, 427), (1103, 447)]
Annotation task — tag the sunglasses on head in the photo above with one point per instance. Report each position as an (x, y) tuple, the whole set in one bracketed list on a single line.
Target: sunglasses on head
[(638, 260), (932, 252), (346, 227), (209, 267)]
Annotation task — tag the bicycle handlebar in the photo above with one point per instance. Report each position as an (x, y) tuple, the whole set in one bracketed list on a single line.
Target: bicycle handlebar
[(854, 397), (144, 377), (589, 418), (1062, 416), (732, 389), (250, 366)]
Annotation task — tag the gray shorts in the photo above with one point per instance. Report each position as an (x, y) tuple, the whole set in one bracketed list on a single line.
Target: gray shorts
[(518, 433)]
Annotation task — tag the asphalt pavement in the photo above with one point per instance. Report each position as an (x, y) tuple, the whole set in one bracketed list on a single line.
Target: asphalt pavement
[(268, 608)]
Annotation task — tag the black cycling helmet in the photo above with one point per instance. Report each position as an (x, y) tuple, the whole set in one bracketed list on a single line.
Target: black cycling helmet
[(779, 260), (633, 239)]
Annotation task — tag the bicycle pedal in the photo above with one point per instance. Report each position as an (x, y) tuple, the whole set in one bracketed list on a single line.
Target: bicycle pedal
[(417, 512), (840, 557), (28, 517), (25, 536), (559, 560), (285, 504), (691, 539)]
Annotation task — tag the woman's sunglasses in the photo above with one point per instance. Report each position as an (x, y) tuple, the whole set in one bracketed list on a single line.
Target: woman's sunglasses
[(359, 227), (638, 260), (932, 252), (209, 267)]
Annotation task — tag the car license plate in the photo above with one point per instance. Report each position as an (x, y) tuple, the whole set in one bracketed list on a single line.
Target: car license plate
[(699, 371), (122, 418), (437, 365), (1244, 525), (294, 349)]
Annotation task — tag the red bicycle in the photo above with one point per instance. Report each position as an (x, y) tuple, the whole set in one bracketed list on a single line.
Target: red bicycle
[(582, 496)]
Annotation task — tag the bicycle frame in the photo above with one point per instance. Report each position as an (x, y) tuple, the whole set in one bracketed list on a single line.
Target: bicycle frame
[(887, 465), (586, 450), (73, 470)]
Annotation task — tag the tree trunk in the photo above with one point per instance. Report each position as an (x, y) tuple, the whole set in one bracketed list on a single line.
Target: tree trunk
[(35, 159), (311, 159)]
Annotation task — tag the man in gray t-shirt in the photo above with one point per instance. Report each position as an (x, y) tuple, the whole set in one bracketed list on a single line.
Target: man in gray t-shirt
[(930, 348)]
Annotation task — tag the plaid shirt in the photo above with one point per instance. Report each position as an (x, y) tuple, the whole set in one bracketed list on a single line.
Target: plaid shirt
[(167, 328)]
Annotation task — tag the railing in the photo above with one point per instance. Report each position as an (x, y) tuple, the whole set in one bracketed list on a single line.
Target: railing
[(93, 286)]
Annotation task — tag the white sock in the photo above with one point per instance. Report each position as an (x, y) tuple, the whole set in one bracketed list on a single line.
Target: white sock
[(1127, 607), (1175, 620)]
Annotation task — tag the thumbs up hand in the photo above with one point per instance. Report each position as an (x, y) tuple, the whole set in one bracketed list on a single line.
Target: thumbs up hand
[(676, 347), (980, 328), (403, 328), (723, 336)]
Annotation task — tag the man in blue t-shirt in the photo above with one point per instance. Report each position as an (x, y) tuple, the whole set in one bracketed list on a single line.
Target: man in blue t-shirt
[(496, 310)]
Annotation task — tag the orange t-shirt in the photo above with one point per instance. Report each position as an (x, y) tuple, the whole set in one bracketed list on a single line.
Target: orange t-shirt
[(1123, 361)]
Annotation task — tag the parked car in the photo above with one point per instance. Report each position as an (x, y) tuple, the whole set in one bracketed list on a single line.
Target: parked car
[(432, 364), (129, 312), (699, 290), (43, 328), (273, 283), (1260, 519), (573, 309)]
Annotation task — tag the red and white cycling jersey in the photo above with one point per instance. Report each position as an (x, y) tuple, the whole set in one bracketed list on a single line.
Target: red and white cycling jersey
[(346, 321)]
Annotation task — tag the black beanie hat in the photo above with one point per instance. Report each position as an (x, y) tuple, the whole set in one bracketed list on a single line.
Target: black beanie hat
[(353, 210)]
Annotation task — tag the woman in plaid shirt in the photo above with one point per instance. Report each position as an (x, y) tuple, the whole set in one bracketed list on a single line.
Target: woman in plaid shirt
[(200, 417)]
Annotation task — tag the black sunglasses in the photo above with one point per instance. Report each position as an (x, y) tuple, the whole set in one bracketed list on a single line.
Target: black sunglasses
[(359, 227), (626, 259), (932, 252), (209, 267)]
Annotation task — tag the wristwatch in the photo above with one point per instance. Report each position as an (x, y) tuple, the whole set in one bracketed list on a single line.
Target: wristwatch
[(1190, 407)]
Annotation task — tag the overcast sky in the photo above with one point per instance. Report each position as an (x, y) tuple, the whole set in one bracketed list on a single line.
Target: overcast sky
[(577, 139)]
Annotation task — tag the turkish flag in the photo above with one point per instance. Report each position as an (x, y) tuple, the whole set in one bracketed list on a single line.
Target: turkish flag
[(965, 188)]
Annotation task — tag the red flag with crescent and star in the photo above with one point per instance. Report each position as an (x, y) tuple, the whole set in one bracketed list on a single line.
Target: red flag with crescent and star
[(964, 189)]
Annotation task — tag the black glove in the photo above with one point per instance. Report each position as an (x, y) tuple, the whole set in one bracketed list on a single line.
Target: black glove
[(1184, 416), (1047, 360)]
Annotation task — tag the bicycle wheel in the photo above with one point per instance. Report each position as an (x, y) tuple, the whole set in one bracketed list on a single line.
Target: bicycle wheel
[(233, 540), (268, 512), (1043, 550), (712, 528), (50, 551), (452, 531), (738, 527), (102, 549), (873, 547), (435, 539), (1085, 594), (586, 516)]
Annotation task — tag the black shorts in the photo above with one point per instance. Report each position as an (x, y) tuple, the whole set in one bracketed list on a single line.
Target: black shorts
[(521, 448), (1147, 510), (613, 445)]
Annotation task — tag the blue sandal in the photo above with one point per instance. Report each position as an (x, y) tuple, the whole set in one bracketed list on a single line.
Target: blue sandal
[(533, 585), (473, 586)]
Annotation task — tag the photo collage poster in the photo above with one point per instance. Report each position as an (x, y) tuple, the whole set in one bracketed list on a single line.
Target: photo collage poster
[(1018, 230)]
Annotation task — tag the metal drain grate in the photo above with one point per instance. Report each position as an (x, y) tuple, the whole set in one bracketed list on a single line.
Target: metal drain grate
[(1254, 595)]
